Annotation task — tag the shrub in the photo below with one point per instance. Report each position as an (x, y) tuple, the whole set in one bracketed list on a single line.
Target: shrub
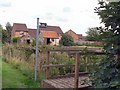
[(66, 40), (15, 40), (33, 42)]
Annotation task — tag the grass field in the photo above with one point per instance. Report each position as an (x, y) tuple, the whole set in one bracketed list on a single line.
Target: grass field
[(13, 78), (0, 72)]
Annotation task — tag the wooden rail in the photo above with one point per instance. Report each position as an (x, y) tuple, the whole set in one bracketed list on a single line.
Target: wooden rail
[(66, 65), (58, 65), (77, 62)]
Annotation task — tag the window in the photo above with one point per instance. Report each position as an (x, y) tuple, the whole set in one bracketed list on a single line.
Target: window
[(21, 33)]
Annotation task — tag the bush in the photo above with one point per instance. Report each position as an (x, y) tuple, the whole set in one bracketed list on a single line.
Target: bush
[(66, 40), (33, 42), (15, 40)]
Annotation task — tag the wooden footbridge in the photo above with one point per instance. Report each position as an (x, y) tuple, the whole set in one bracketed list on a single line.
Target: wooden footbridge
[(73, 80)]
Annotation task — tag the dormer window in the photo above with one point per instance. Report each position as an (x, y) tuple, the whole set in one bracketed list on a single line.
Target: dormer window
[(21, 33)]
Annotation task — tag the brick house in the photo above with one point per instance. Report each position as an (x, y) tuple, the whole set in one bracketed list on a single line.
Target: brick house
[(56, 29), (19, 30), (81, 37), (73, 35), (76, 37), (50, 34), (49, 38)]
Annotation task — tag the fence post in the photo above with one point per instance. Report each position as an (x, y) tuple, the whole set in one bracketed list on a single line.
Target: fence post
[(10, 53), (39, 63), (77, 70), (86, 63), (47, 70)]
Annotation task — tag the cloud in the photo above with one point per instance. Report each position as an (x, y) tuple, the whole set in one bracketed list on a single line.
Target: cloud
[(67, 9), (49, 16), (113, 0), (60, 19), (5, 4)]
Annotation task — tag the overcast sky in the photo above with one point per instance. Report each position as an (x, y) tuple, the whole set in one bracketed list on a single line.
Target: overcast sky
[(77, 15)]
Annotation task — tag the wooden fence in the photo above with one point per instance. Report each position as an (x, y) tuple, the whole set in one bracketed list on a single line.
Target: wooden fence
[(78, 54)]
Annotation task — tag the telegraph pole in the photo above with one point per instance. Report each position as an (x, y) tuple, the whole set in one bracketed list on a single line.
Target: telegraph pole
[(36, 54)]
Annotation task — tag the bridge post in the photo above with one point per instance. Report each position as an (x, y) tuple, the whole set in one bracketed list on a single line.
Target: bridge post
[(77, 61), (47, 70)]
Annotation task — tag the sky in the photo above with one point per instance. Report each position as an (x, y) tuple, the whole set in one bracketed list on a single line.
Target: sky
[(77, 15)]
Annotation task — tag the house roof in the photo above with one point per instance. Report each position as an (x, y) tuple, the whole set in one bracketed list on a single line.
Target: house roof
[(49, 34), (51, 31), (80, 36), (32, 32), (73, 34), (71, 31), (19, 27), (53, 28)]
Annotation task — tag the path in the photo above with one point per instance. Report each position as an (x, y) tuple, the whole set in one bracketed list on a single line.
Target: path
[(13, 78)]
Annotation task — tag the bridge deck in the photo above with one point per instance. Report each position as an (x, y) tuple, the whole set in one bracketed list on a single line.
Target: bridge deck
[(66, 82)]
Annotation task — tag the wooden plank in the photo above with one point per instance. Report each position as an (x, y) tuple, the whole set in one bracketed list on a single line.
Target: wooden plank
[(69, 75), (55, 84), (67, 82), (80, 51), (58, 65), (61, 82), (47, 70), (77, 70), (40, 64), (64, 65), (86, 61)]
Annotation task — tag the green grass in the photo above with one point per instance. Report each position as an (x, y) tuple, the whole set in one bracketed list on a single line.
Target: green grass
[(0, 72), (13, 78)]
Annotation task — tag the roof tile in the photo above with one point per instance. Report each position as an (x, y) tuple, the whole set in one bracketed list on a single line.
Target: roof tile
[(49, 34)]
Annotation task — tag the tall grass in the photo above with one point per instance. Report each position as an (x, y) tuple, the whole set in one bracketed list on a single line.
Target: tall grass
[(21, 60), (24, 60)]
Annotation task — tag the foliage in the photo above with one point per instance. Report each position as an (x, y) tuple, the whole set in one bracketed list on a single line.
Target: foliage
[(1, 28), (92, 34), (22, 59), (66, 40), (6, 34), (15, 40), (33, 42), (108, 74), (61, 58), (87, 63), (3, 35), (9, 30), (92, 44)]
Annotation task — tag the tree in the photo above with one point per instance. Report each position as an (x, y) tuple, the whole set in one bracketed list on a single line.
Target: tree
[(108, 74), (8, 30), (1, 28), (6, 33), (66, 40), (92, 34), (3, 34)]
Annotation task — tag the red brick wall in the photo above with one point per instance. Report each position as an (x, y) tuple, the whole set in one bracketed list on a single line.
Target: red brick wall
[(73, 35)]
